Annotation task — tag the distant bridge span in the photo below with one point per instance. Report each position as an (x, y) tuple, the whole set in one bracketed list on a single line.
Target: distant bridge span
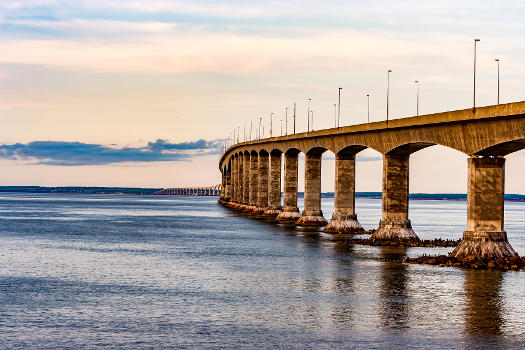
[(191, 191), (251, 172)]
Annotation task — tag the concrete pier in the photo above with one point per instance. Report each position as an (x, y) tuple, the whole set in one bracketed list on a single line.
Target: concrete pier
[(394, 224), (246, 180), (485, 236), (344, 219), (290, 211), (233, 182), (254, 181), (274, 202), (262, 185), (312, 214)]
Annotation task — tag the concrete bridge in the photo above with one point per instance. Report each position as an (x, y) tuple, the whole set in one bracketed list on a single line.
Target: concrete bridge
[(191, 191), (251, 173)]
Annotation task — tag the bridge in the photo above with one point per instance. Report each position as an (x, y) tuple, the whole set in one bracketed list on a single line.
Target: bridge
[(251, 173), (191, 191)]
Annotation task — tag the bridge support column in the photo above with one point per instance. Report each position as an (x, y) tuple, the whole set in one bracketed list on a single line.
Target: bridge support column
[(395, 225), (240, 182), (485, 236), (290, 212), (246, 181), (231, 185), (312, 214), (274, 205), (344, 219), (262, 186), (254, 179), (227, 186)]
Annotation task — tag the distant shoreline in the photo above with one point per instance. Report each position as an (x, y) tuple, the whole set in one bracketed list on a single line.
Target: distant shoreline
[(151, 191)]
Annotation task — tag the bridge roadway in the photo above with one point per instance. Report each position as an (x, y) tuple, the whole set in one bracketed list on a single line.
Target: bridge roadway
[(251, 173)]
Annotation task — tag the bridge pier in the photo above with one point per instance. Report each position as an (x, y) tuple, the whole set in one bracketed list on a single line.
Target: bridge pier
[(231, 185), (262, 185), (227, 186), (344, 219), (290, 212), (485, 236), (312, 214), (254, 179), (394, 224), (240, 183), (274, 204), (246, 181)]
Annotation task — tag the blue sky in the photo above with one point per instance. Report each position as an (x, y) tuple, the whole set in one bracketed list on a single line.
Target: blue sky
[(104, 79)]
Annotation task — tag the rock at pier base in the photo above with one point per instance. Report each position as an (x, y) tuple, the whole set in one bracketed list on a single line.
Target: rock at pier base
[(344, 223), (484, 245), (259, 210), (395, 230), (272, 212), (288, 215), (312, 218), (249, 208)]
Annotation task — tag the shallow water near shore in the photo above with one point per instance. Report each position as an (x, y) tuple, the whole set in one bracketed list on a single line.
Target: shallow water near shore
[(148, 272)]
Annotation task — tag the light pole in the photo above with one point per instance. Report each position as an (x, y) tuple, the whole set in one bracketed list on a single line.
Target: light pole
[(244, 131), (294, 117), (312, 112), (497, 60), (417, 98), (475, 46), (271, 124), (238, 133), (260, 122), (387, 94), (368, 109), (335, 115), (281, 127), (234, 137), (286, 116), (251, 130), (308, 116), (339, 106)]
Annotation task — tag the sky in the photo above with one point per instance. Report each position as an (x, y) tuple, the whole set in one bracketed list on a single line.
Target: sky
[(143, 93)]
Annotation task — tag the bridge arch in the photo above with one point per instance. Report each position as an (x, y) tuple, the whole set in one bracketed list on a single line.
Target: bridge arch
[(502, 149)]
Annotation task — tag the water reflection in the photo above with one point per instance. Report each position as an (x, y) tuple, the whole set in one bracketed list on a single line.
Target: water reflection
[(483, 306), (394, 299), (343, 286)]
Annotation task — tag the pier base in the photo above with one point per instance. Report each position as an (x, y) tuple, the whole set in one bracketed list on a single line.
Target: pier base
[(312, 218), (272, 212), (484, 245), (344, 223), (259, 210), (288, 214), (395, 230)]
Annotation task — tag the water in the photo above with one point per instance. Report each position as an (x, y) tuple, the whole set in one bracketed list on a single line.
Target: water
[(125, 272)]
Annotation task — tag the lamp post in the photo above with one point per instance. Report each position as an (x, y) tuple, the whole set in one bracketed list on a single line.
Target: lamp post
[(244, 131), (368, 107), (497, 60), (286, 116), (294, 117), (260, 122), (238, 133), (281, 126), (233, 137), (417, 98), (312, 112), (308, 116), (387, 94), (339, 106), (335, 115), (251, 130), (475, 46), (271, 124)]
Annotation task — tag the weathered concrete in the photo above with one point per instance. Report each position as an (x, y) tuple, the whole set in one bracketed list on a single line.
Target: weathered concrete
[(254, 181), (274, 203), (246, 180), (394, 224), (227, 187), (344, 219), (290, 211), (312, 214), (233, 182), (262, 185), (485, 236)]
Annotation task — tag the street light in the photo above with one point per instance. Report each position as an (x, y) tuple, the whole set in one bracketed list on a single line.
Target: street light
[(260, 122), (238, 133), (308, 116), (286, 114), (387, 94), (312, 112), (497, 60), (251, 130), (417, 98), (339, 107), (368, 104), (281, 127), (294, 117), (271, 124), (475, 46), (335, 115)]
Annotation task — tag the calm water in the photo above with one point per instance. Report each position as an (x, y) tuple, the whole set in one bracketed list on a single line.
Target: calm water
[(124, 272)]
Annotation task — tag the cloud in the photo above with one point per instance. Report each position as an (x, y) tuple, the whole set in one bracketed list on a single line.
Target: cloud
[(78, 153)]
